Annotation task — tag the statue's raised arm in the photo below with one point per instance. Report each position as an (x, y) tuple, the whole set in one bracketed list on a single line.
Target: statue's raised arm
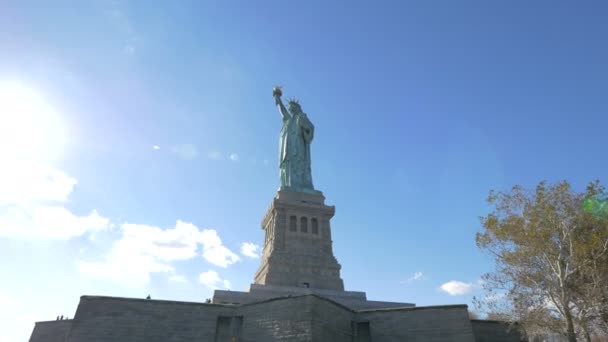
[(276, 93)]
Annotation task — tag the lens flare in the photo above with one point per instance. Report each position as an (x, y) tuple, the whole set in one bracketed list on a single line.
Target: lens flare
[(30, 130), (597, 206)]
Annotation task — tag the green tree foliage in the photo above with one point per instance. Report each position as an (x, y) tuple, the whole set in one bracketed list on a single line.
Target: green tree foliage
[(551, 251)]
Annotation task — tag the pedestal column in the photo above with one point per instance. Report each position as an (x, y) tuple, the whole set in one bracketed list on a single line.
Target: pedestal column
[(298, 246)]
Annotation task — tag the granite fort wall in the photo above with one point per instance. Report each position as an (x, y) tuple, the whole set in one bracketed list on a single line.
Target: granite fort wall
[(51, 331), (280, 319), (105, 319), (428, 324), (304, 318), (331, 321)]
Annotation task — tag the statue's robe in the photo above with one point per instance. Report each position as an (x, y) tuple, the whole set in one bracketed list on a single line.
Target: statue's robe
[(308, 133), (294, 152)]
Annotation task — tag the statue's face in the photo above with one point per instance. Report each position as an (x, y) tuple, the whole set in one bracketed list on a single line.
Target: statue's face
[(294, 108)]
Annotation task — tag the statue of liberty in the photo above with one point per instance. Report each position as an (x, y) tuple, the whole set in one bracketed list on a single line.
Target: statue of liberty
[(294, 146)]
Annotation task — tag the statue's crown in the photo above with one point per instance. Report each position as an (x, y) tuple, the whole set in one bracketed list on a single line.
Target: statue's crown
[(294, 101)]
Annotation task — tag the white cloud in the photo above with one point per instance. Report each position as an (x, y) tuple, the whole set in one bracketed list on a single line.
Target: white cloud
[(28, 182), (124, 267), (456, 288), (416, 276), (48, 222), (214, 155), (143, 250), (250, 249), (234, 157), (178, 279), (156, 147), (212, 280), (31, 204), (209, 279), (185, 151), (177, 243), (214, 251)]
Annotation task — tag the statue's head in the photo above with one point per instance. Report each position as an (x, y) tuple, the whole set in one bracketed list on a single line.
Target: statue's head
[(294, 107)]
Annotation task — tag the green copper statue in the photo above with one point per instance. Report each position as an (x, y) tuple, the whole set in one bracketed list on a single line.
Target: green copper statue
[(294, 146)]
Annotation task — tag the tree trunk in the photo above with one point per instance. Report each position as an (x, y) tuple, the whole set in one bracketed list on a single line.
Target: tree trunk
[(587, 335), (604, 313), (570, 334)]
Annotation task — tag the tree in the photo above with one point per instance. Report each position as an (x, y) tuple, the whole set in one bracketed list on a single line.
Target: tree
[(550, 247), (593, 287)]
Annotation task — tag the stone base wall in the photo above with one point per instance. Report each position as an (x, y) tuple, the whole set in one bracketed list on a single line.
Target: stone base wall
[(106, 319), (278, 320), (429, 324), (306, 318), (51, 331), (331, 322)]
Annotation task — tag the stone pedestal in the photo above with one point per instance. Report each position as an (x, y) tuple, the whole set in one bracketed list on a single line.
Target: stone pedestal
[(298, 247)]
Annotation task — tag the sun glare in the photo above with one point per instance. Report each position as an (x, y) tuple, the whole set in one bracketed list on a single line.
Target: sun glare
[(30, 130)]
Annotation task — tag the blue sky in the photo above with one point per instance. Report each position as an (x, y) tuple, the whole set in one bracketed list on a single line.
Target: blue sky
[(420, 109)]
